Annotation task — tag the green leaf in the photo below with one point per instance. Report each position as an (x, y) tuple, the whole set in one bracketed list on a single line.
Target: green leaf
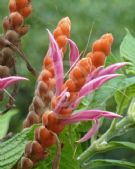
[(107, 162), (5, 120), (123, 98), (127, 47), (127, 50), (12, 149), (122, 144)]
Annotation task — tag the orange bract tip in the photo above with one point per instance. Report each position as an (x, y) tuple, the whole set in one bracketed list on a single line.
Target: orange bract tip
[(65, 111), (108, 36), (70, 85), (47, 61), (12, 6), (65, 27), (64, 20), (98, 58), (45, 75), (21, 4), (16, 19), (44, 137), (57, 32), (62, 41), (102, 45), (26, 11), (54, 123)]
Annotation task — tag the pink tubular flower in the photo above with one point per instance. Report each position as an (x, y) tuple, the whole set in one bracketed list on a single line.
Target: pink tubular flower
[(7, 81), (93, 80)]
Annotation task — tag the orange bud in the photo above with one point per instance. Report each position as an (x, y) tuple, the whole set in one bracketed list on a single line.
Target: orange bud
[(76, 73), (65, 27), (47, 61), (26, 163), (54, 124), (57, 32), (62, 41), (45, 75), (65, 111), (108, 36), (64, 20), (12, 6), (70, 85), (22, 30), (6, 24), (21, 4), (44, 137), (102, 45), (26, 11), (98, 58), (16, 19)]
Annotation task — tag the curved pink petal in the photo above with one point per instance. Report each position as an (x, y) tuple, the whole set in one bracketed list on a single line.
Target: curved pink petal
[(90, 133), (112, 68), (87, 115), (7, 81), (74, 52), (65, 95), (94, 74), (95, 84), (57, 62)]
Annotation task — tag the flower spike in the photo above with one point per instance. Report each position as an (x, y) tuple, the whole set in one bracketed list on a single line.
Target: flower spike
[(58, 63), (7, 81)]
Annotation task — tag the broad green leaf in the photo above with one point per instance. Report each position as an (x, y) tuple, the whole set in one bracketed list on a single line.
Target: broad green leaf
[(122, 144), (127, 47), (5, 120), (123, 98), (12, 149), (127, 51), (107, 162)]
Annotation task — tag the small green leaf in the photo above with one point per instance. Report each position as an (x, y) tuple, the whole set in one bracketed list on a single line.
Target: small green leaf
[(127, 51), (107, 162), (123, 98), (122, 144), (12, 149), (5, 120), (127, 47)]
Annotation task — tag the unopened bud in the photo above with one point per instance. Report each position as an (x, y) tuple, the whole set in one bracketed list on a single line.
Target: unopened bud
[(4, 71), (16, 19), (12, 6), (26, 163), (6, 24), (22, 30), (33, 118), (12, 36), (34, 151)]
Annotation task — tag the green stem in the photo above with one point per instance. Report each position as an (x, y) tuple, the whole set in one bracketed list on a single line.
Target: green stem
[(101, 143)]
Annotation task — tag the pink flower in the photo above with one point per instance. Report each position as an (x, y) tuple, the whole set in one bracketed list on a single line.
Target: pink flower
[(94, 81)]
